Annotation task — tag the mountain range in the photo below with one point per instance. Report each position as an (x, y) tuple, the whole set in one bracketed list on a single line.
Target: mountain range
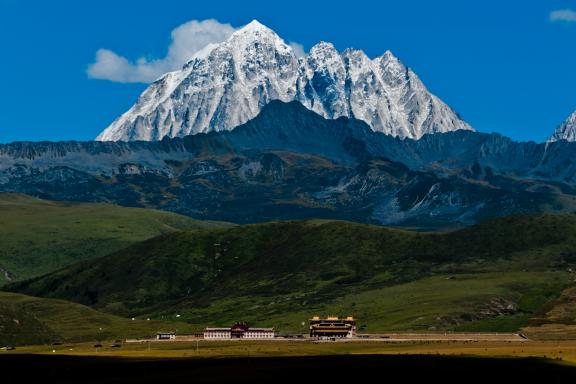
[(291, 163), (248, 132), (225, 85)]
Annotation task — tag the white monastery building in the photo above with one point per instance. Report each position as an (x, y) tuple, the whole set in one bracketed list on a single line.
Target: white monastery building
[(238, 331)]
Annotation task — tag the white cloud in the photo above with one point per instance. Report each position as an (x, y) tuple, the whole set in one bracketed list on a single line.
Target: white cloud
[(298, 49), (187, 39), (567, 15)]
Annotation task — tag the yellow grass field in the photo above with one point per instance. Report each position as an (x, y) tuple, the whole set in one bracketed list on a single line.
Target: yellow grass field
[(561, 350)]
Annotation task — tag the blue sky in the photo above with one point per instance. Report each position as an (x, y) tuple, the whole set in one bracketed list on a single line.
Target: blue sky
[(505, 66)]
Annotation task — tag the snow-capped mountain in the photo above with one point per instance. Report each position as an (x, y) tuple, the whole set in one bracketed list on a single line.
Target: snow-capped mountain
[(227, 84), (566, 131)]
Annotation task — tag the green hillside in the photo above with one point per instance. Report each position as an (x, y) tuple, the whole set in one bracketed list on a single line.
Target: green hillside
[(39, 236), (31, 320), (493, 276)]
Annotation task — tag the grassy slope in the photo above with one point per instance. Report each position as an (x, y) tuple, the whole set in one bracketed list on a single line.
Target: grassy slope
[(31, 320), (281, 273), (40, 236), (437, 302), (557, 319)]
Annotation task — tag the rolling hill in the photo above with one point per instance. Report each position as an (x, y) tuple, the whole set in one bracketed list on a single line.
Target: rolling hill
[(492, 276), (39, 236), (31, 320)]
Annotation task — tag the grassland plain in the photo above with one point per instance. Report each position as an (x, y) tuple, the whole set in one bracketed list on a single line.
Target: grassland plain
[(494, 276), (558, 350), (39, 236), (30, 320)]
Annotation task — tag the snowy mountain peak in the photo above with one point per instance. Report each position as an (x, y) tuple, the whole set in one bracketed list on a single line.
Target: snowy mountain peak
[(324, 56), (254, 25), (566, 131), (388, 55), (352, 52), (227, 84), (254, 31), (356, 61), (322, 47), (391, 65)]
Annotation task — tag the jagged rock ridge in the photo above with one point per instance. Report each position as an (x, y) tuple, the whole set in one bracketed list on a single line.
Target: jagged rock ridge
[(566, 130)]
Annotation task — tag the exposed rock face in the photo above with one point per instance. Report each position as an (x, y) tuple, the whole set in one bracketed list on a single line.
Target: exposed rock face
[(566, 130)]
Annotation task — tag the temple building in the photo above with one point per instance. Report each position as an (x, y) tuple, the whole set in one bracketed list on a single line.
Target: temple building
[(239, 331), (332, 327)]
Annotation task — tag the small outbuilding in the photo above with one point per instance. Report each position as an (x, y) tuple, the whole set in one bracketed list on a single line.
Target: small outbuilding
[(165, 336)]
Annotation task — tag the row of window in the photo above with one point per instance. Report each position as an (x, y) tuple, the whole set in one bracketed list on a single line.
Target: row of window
[(247, 335), (217, 335), (259, 335)]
